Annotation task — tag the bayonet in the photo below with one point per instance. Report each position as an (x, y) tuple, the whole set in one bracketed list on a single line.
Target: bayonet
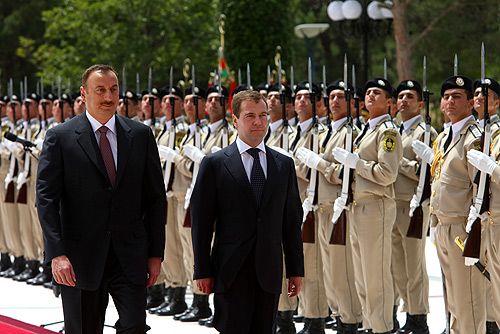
[(172, 98), (385, 68), (292, 83), (137, 83), (239, 76), (268, 75), (249, 81), (455, 65)]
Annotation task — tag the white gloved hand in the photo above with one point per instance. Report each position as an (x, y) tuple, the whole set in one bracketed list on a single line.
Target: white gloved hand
[(481, 161), (167, 153), (473, 215), (39, 143), (308, 157), (281, 150), (432, 234), (345, 157), (423, 151), (193, 153), (307, 206), (338, 206), (414, 203), (470, 261), (216, 149), (11, 146)]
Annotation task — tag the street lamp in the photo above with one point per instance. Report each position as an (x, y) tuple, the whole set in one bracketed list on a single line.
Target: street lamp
[(308, 31), (351, 10)]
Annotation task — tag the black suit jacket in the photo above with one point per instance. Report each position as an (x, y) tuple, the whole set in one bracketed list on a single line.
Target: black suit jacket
[(82, 215), (223, 202)]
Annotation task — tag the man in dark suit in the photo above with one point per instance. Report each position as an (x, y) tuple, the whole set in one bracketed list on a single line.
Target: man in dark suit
[(103, 225), (247, 194)]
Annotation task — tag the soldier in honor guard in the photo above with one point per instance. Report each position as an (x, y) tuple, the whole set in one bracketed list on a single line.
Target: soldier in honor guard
[(378, 151), (79, 104), (5, 261), (134, 107), (274, 136), (451, 197), (8, 208), (156, 95), (313, 296), (337, 262), (60, 116), (408, 267)]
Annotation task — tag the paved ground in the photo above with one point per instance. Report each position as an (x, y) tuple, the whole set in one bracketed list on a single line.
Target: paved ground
[(38, 306)]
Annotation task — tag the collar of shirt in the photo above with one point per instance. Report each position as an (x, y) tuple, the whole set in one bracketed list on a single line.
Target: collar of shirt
[(458, 126), (409, 123), (338, 123), (493, 119), (214, 126), (192, 129), (110, 124), (292, 121), (323, 120), (275, 125), (247, 159), (304, 126), (373, 122), (446, 125)]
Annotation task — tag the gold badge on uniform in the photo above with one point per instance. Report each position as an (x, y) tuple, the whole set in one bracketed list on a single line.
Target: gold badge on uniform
[(389, 142), (460, 81)]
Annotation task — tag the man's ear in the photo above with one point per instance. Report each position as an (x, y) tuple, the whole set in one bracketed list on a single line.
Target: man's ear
[(82, 93), (235, 121)]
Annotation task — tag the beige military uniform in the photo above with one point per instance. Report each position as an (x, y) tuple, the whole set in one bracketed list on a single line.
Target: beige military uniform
[(372, 215), (173, 271), (408, 267), (313, 295), (451, 197), (338, 267), (4, 248)]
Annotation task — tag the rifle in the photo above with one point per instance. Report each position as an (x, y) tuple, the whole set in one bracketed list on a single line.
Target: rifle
[(286, 133), (249, 81), (225, 125), (424, 184), (59, 98), (308, 230), (482, 200), (124, 91), (356, 97), (22, 177), (481, 267), (151, 99), (171, 133), (13, 166), (338, 236)]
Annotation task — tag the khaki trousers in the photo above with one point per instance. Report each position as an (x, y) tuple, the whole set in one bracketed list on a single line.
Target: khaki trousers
[(492, 241), (371, 223), (338, 270), (37, 228), (173, 271), (313, 293), (408, 265), (466, 286)]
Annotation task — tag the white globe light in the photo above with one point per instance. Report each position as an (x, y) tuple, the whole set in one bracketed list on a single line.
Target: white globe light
[(386, 10), (373, 10), (334, 11), (352, 9)]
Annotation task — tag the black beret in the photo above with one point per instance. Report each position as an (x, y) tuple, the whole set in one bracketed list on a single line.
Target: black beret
[(492, 84), (130, 95), (33, 97), (380, 83), (239, 88), (338, 84), (74, 95), (276, 88), (457, 81), (198, 90), (215, 89), (154, 91), (409, 85), (4, 99), (304, 85), (66, 98), (14, 98), (49, 96), (175, 90), (261, 86)]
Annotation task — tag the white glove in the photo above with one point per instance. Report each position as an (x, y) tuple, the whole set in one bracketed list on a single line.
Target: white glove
[(39, 143), (470, 261), (167, 153), (345, 157), (307, 206), (193, 153), (216, 149), (21, 179), (473, 215), (308, 157), (432, 234), (338, 206), (281, 150), (423, 151), (481, 161), (414, 203), (11, 146)]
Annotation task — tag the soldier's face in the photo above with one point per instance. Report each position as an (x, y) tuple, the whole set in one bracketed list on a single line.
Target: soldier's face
[(48, 109), (146, 107), (12, 111), (190, 109), (214, 109), (273, 101), (493, 102), (456, 104), (303, 105), (101, 93), (167, 107), (79, 106), (252, 123), (338, 104), (408, 104), (376, 101)]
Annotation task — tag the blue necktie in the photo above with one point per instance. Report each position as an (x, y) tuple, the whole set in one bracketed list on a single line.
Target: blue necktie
[(257, 177)]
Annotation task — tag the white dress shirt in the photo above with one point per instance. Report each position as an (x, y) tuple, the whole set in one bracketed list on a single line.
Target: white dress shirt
[(111, 134), (247, 159)]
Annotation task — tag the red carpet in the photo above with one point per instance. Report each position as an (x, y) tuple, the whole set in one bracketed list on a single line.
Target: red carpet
[(13, 326)]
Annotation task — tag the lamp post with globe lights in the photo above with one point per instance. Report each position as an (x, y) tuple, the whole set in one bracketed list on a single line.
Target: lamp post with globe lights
[(307, 31), (366, 17)]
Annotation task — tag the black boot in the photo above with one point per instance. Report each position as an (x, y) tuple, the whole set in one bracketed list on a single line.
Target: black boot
[(199, 310), (156, 296), (315, 326), (17, 267), (177, 304), (347, 328), (43, 277), (415, 324), (395, 325), (209, 322), (491, 327), (32, 269), (284, 323), (168, 298), (5, 262)]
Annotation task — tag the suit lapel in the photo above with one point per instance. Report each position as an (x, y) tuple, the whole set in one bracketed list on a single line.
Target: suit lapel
[(235, 167), (273, 170), (86, 139), (124, 144)]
